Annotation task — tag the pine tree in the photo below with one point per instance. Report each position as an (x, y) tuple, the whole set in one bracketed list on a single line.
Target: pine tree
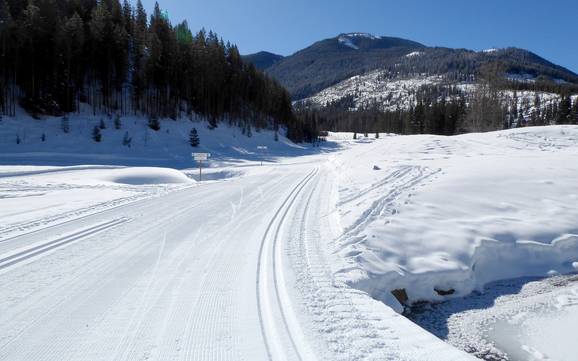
[(102, 124), (154, 123), (43, 137), (127, 140), (194, 138), (117, 122), (65, 124), (574, 115), (96, 134)]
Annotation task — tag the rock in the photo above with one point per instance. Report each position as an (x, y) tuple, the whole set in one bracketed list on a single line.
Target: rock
[(400, 295), (440, 292)]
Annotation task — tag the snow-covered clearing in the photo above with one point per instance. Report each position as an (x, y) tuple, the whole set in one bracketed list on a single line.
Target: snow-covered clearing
[(292, 260)]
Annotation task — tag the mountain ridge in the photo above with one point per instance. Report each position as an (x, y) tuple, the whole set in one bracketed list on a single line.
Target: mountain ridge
[(329, 61)]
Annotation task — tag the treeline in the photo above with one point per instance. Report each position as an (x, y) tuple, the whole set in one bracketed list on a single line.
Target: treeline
[(459, 65), (444, 111), (57, 55)]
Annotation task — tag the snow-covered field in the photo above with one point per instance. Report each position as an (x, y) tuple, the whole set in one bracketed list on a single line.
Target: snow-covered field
[(448, 215), (292, 260)]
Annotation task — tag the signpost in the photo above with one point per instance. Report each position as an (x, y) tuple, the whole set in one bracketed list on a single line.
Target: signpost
[(199, 158), (262, 148)]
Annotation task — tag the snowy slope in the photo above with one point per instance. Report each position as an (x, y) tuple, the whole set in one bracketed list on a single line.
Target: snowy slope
[(376, 89), (448, 215), (169, 147)]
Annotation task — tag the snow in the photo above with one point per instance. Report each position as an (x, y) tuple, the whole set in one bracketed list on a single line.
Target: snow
[(516, 320), (143, 176), (524, 77), (373, 88), (362, 35), (347, 41), (33, 197), (376, 88), (492, 50), (414, 54), (109, 252), (168, 147), (454, 214)]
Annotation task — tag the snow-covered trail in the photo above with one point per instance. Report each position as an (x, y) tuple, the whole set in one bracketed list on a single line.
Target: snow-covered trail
[(235, 270), (172, 277)]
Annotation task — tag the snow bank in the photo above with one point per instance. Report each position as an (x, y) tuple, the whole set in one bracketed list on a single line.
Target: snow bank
[(445, 216), (146, 176)]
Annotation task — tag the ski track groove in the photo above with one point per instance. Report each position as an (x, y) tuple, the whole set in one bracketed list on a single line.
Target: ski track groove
[(287, 203), (39, 250), (97, 262), (197, 320), (78, 214)]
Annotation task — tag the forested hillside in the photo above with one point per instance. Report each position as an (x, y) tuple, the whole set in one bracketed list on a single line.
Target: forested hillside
[(59, 54)]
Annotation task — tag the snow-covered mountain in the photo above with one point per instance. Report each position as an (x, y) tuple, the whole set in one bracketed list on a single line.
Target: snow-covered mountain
[(335, 67)]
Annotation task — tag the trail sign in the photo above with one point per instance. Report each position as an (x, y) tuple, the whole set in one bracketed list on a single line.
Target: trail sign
[(262, 148), (199, 158)]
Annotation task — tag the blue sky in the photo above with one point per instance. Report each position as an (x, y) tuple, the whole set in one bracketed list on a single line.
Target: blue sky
[(548, 28)]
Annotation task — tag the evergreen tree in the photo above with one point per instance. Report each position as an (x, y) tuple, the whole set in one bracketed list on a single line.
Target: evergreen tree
[(564, 110), (574, 115), (154, 123), (102, 124), (194, 138), (117, 122), (57, 55), (96, 134), (127, 140), (65, 124)]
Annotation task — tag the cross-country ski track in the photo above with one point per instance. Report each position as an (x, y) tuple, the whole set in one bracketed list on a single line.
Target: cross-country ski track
[(231, 270)]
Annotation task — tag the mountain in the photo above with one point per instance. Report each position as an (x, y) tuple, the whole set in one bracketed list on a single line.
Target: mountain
[(262, 60), (331, 61)]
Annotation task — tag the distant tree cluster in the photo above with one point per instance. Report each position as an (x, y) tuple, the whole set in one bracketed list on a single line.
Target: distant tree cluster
[(443, 111), (59, 54)]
